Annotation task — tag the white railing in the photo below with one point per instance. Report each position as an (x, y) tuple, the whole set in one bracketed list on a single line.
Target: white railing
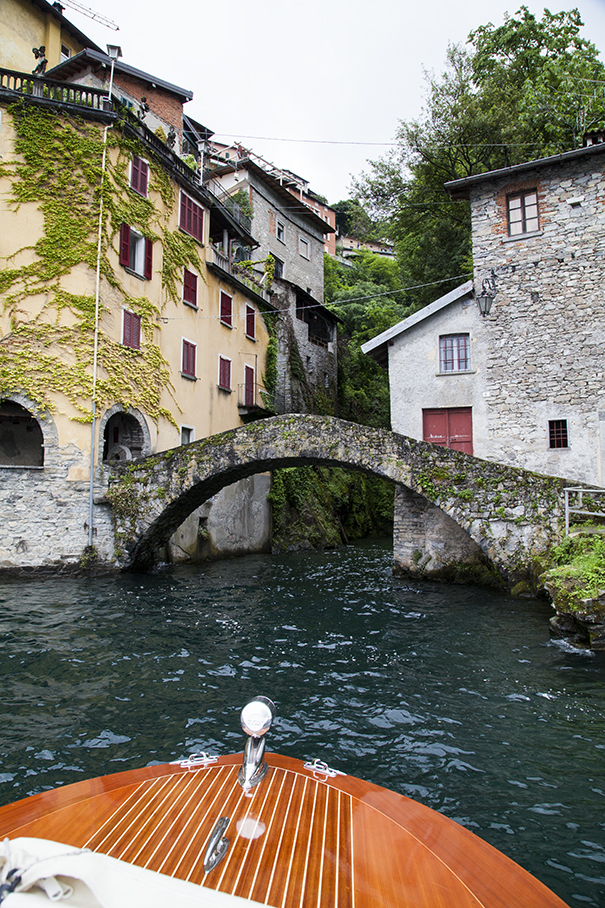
[(575, 503)]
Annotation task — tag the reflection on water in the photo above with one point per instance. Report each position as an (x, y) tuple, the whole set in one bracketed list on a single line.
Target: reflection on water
[(451, 695)]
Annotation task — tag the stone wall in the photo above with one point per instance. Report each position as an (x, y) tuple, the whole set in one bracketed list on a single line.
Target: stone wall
[(545, 335)]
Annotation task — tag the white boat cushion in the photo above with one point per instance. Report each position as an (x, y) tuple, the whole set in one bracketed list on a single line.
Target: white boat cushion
[(79, 878)]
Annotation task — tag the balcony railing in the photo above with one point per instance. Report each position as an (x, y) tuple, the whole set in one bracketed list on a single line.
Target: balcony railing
[(253, 397), (22, 84), (230, 204), (218, 258)]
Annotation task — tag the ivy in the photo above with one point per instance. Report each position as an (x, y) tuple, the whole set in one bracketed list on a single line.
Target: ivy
[(49, 350)]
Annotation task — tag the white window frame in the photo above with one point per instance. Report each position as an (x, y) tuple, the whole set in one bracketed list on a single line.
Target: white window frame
[(190, 429), (455, 351), (280, 228), (304, 248)]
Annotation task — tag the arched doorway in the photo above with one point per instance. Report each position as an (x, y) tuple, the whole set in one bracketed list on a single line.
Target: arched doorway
[(125, 437), (21, 438)]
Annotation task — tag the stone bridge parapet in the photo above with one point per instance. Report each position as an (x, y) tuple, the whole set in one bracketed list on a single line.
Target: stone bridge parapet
[(512, 515)]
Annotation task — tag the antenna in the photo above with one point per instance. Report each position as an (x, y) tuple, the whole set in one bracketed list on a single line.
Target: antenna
[(73, 4)]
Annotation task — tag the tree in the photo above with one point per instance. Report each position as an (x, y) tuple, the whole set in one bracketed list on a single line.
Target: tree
[(516, 92)]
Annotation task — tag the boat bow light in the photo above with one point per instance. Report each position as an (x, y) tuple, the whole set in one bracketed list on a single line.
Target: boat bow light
[(256, 718)]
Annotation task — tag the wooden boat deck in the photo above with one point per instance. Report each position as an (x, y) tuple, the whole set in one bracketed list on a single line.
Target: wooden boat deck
[(297, 839)]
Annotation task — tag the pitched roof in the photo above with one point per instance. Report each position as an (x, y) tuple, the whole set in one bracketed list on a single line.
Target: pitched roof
[(377, 346), (460, 189), (97, 60)]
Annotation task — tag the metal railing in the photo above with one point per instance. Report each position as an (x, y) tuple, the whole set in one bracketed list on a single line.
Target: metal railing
[(218, 191), (23, 84), (217, 257), (253, 396), (578, 505)]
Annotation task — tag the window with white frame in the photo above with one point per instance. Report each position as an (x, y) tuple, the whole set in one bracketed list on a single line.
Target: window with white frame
[(136, 252), (190, 288), (187, 435), (522, 208), (139, 175), (250, 321), (304, 248), (226, 309), (65, 52), (224, 373), (454, 353), (189, 350), (280, 231), (191, 218)]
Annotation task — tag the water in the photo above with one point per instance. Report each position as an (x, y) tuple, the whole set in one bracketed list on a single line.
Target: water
[(451, 695)]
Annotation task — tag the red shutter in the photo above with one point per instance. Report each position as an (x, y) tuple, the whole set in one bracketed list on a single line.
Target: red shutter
[(188, 359), (132, 330), (250, 321), (125, 245), (224, 373), (190, 288), (451, 428), (148, 258), (139, 175), (249, 386), (226, 309), (192, 218)]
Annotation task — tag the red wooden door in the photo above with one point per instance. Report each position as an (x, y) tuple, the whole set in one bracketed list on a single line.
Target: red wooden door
[(451, 427)]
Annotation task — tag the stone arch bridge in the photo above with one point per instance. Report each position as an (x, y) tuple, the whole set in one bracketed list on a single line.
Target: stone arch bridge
[(452, 510)]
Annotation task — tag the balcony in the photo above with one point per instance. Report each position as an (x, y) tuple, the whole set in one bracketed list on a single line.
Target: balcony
[(216, 257), (15, 85), (254, 402)]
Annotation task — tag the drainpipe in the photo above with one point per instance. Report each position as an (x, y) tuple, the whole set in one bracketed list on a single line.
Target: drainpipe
[(114, 52)]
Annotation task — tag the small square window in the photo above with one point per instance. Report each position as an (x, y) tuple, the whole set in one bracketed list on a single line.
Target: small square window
[(188, 359), (226, 309), (65, 52), (139, 175), (131, 329), (522, 210), (190, 288), (557, 433), (454, 353), (250, 322), (224, 373), (186, 435), (280, 232)]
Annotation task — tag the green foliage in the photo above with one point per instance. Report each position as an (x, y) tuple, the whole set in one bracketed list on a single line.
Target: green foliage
[(516, 92), (47, 353), (578, 572), (353, 220), (364, 298), (242, 198), (322, 507)]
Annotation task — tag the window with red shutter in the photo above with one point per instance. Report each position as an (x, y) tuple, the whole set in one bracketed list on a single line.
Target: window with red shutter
[(248, 386), (136, 252), (190, 288), (139, 175), (226, 309), (192, 218), (188, 365), (224, 373), (250, 322), (131, 330)]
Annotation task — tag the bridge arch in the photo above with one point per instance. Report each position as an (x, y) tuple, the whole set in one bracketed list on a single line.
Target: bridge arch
[(511, 514)]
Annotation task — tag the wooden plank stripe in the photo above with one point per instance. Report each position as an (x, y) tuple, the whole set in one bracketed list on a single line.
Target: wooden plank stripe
[(157, 815), (251, 832), (284, 818), (303, 880), (268, 833), (196, 783), (144, 788), (293, 847)]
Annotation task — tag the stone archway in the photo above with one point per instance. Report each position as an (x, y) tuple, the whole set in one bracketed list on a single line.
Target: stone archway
[(123, 435), (512, 515), (27, 438)]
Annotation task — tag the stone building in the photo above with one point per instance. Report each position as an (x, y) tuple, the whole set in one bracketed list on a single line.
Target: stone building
[(124, 331), (523, 384), (286, 228)]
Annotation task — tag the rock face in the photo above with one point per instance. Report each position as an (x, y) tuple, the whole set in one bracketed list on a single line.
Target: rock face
[(581, 621)]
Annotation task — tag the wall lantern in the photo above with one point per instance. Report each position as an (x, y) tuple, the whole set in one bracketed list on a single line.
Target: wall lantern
[(486, 297)]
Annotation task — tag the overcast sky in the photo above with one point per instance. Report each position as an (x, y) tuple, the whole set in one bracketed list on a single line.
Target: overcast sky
[(317, 87)]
